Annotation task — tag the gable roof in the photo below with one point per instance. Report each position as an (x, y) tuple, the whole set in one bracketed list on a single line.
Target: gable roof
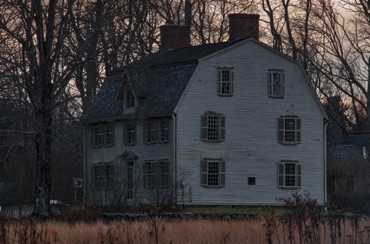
[(159, 80)]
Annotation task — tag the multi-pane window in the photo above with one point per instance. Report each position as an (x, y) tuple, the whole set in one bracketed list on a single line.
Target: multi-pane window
[(102, 176), (225, 79), (276, 83), (212, 127), (129, 133), (164, 129), (156, 174), (289, 174), (102, 135), (289, 130), (213, 173), (156, 130)]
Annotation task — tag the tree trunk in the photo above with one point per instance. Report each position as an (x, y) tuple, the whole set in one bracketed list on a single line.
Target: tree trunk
[(368, 94), (43, 162)]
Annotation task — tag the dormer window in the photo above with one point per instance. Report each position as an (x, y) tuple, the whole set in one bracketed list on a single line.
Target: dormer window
[(129, 98), (225, 81)]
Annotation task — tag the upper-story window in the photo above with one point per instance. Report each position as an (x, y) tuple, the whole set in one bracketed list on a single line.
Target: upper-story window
[(212, 127), (156, 130), (289, 130), (129, 136), (102, 135), (225, 82), (276, 83)]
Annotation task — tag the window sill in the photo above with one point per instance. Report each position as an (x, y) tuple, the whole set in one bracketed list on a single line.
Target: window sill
[(289, 187)]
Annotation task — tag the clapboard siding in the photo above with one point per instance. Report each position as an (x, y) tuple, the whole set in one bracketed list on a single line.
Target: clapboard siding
[(157, 151), (250, 148)]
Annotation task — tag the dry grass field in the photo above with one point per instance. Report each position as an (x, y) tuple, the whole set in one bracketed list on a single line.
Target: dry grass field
[(180, 231)]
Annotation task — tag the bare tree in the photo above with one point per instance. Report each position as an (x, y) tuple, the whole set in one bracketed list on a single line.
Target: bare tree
[(37, 30)]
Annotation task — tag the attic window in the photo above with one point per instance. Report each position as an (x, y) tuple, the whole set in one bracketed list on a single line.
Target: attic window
[(129, 98), (225, 80), (276, 83)]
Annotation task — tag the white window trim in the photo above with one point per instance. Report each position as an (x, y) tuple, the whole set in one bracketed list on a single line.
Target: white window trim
[(204, 173), (205, 127), (282, 131), (221, 82), (281, 168), (271, 83)]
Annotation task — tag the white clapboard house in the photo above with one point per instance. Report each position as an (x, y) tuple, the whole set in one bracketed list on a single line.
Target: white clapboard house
[(231, 123)]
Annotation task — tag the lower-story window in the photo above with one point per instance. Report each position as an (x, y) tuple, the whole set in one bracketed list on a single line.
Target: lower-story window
[(156, 173), (212, 173), (289, 174), (102, 176)]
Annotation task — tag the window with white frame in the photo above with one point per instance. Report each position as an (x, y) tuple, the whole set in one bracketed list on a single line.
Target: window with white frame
[(212, 127), (212, 172), (156, 173), (289, 130), (102, 135), (102, 176), (156, 130), (289, 174), (225, 84), (129, 133), (276, 83)]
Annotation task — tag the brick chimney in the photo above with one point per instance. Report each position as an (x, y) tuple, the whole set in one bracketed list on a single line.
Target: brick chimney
[(243, 26), (174, 36)]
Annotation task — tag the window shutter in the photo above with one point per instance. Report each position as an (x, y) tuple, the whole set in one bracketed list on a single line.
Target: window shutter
[(144, 131), (222, 173), (219, 82), (298, 130), (147, 168), (165, 174), (281, 130), (269, 78), (92, 137), (155, 129), (222, 128), (282, 84), (133, 132), (204, 173), (125, 134), (204, 127), (299, 173), (231, 81), (280, 174), (155, 171)]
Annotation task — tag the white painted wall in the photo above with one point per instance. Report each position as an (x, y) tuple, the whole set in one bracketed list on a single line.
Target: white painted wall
[(251, 148)]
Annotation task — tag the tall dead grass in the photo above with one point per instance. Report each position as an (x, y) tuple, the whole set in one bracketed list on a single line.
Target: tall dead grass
[(169, 231)]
